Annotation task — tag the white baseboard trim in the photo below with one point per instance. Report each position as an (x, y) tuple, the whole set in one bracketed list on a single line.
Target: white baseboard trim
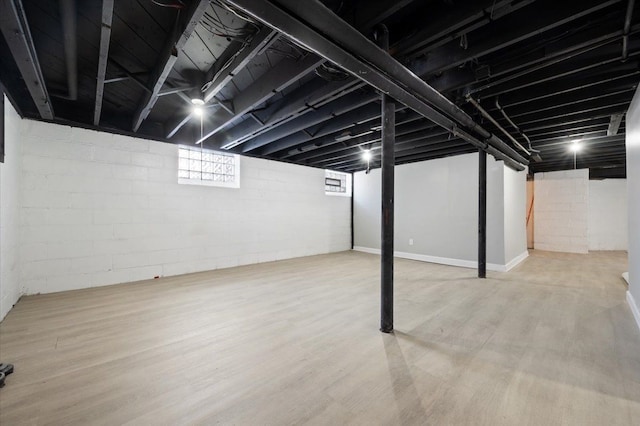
[(516, 260), (447, 260), (634, 308), (366, 250)]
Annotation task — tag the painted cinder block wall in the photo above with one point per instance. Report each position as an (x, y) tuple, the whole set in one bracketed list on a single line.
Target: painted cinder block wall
[(574, 214), (101, 209), (561, 211), (10, 289)]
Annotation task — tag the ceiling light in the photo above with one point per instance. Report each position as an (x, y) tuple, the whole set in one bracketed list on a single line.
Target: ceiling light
[(197, 110), (197, 99), (575, 146), (366, 155)]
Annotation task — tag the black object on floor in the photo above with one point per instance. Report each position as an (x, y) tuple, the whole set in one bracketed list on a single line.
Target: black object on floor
[(1, 379), (6, 369)]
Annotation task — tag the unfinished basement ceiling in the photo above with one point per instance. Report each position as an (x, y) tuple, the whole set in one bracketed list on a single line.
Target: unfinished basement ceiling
[(560, 70)]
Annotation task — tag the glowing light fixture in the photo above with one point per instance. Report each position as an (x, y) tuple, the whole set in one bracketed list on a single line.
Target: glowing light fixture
[(197, 110), (366, 156), (575, 146)]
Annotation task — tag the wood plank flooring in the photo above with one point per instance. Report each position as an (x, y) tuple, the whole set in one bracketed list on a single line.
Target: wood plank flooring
[(552, 342)]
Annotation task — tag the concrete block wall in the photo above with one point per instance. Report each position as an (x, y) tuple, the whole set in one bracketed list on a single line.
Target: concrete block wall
[(100, 209), (608, 227), (561, 211), (10, 290)]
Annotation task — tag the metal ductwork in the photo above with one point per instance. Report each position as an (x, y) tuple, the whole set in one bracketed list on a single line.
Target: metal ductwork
[(69, 17), (488, 116)]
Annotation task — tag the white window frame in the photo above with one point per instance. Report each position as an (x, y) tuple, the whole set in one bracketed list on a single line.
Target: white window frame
[(235, 163), (328, 174)]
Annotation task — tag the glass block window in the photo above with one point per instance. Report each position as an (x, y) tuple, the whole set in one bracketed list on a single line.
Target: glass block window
[(337, 183), (198, 166)]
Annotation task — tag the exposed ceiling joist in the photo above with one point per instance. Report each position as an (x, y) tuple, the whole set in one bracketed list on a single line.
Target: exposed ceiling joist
[(346, 47), (522, 66), (361, 134), (317, 116), (103, 57), (585, 103), (600, 83), (377, 11), (426, 152), (404, 141), (185, 25), (462, 19), (560, 76), (306, 99), (453, 55), (614, 124), (564, 142), (285, 73), (551, 74), (594, 127), (312, 93), (341, 122), (15, 28), (235, 59), (554, 51)]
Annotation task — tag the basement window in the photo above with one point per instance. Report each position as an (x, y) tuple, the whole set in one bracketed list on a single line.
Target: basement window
[(337, 183), (199, 166)]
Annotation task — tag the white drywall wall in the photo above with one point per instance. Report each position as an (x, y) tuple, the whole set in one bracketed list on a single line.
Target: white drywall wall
[(515, 216), (101, 209), (561, 206), (436, 206), (633, 190), (10, 211), (608, 227)]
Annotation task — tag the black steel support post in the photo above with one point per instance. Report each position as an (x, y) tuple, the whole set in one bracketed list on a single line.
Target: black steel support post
[(482, 214), (388, 163), (353, 194)]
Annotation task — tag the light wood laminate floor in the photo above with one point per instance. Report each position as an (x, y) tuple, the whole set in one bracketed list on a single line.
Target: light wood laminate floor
[(296, 342)]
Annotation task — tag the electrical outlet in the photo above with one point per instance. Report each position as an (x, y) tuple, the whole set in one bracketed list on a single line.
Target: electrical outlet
[(410, 241)]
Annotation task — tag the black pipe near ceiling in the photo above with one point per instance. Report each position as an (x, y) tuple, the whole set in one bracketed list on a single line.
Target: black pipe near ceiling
[(558, 75), (367, 62), (69, 17)]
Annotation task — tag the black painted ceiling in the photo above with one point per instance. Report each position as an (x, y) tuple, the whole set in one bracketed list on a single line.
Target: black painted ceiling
[(557, 68)]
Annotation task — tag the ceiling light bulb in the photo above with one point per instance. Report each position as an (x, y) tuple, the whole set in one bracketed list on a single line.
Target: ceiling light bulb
[(366, 155), (575, 146), (197, 110)]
